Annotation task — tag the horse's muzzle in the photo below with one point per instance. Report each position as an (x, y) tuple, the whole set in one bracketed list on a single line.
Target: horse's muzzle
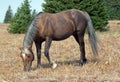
[(27, 69)]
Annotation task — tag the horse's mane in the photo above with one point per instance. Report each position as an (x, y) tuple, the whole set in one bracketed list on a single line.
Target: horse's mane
[(31, 31)]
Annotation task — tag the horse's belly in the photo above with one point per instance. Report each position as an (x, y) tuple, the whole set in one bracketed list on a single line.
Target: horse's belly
[(62, 33), (61, 36)]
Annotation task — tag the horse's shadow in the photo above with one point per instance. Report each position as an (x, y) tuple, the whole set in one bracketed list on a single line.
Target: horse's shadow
[(59, 63), (67, 63)]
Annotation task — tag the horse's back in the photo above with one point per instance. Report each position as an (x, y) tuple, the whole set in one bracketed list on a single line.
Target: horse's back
[(59, 25)]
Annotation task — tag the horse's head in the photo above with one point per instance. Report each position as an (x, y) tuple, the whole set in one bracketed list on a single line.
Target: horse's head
[(27, 57)]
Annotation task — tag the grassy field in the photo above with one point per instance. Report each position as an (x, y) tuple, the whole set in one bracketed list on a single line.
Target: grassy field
[(104, 68)]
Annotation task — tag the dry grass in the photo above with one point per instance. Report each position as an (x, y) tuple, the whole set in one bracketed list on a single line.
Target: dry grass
[(105, 68)]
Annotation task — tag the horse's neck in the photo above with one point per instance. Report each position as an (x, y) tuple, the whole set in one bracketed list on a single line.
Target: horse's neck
[(30, 35), (28, 41)]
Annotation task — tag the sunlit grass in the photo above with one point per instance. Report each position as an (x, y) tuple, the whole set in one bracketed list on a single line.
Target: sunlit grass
[(105, 67)]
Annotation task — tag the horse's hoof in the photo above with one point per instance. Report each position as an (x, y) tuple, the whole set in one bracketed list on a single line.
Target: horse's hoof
[(38, 66), (54, 65), (83, 61)]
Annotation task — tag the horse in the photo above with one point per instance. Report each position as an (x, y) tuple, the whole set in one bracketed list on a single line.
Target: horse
[(57, 26)]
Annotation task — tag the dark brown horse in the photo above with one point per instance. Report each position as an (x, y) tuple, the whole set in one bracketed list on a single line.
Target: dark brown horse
[(47, 27)]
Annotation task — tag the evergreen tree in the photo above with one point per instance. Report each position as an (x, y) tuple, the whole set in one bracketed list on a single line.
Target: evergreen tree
[(95, 8), (54, 6), (34, 13), (21, 19), (113, 7), (98, 12), (8, 15)]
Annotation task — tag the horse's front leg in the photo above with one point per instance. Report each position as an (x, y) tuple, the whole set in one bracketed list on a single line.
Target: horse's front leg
[(38, 50), (47, 47)]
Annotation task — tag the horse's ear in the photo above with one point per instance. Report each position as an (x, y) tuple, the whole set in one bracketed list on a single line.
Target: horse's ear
[(20, 48)]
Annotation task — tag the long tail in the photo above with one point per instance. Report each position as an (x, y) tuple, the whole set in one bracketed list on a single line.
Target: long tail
[(92, 36)]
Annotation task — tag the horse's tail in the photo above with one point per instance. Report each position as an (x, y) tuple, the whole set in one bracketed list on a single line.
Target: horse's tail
[(92, 36)]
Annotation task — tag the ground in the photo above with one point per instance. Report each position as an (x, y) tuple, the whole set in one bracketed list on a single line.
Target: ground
[(103, 68)]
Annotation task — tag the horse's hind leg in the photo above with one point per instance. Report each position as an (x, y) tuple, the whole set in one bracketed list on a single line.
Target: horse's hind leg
[(80, 40), (47, 47)]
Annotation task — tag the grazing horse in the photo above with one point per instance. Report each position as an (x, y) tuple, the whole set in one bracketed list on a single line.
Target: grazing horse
[(58, 26)]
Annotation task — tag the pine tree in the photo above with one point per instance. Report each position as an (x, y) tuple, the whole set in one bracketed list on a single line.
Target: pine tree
[(98, 12), (54, 6), (34, 13), (8, 15), (96, 9), (21, 19), (113, 7)]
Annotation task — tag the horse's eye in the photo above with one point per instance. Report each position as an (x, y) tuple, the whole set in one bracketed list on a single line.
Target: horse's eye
[(28, 56)]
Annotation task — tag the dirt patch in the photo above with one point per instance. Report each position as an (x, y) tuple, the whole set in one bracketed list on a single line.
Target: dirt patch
[(105, 68)]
